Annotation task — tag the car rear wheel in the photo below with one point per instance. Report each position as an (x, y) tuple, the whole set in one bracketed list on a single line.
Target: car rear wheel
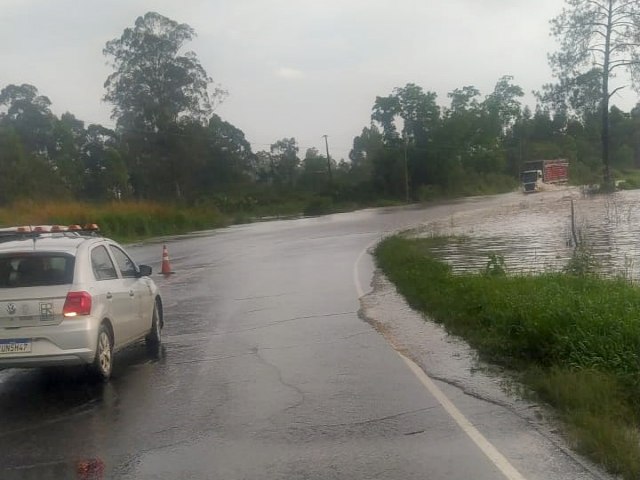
[(103, 363)]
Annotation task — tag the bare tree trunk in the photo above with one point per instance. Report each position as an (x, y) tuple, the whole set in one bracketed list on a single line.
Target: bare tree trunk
[(605, 101)]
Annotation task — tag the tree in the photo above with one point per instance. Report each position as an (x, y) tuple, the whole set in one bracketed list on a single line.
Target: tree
[(600, 34), (153, 83), (24, 174), (314, 173), (577, 97), (230, 149), (406, 157), (153, 88), (68, 137), (366, 147), (105, 173), (30, 116), (503, 106), (417, 109), (284, 155)]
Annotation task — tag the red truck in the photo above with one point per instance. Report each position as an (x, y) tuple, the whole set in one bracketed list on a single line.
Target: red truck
[(544, 171)]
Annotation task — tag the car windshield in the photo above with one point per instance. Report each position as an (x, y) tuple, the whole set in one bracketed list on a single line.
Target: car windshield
[(35, 270)]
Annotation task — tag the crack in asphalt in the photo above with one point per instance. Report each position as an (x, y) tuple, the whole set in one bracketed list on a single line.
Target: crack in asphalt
[(537, 426), (279, 322), (284, 347), (339, 339), (300, 393), (378, 420), (209, 359), (259, 297), (255, 349), (260, 309)]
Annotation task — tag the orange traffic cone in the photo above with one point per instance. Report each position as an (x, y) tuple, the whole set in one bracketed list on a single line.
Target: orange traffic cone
[(166, 266)]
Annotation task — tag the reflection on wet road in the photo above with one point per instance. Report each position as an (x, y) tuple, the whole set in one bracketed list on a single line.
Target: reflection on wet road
[(268, 372)]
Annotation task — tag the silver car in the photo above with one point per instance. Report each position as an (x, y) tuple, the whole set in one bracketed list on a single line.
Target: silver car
[(72, 297)]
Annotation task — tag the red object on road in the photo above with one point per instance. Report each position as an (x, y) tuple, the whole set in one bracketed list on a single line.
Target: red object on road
[(90, 469), (166, 266)]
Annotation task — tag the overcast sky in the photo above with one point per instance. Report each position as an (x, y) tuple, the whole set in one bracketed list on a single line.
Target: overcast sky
[(293, 68)]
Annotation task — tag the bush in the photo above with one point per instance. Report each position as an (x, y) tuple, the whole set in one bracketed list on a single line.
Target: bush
[(582, 262), (318, 206)]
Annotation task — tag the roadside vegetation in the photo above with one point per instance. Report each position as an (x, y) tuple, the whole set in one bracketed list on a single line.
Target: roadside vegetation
[(629, 179), (123, 221), (574, 337), (130, 220)]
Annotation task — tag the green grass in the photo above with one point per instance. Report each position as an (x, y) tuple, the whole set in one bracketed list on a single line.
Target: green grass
[(629, 179), (575, 338), (128, 221), (480, 184), (124, 221)]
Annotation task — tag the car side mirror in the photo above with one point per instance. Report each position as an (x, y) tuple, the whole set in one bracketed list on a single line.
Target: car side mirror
[(144, 271)]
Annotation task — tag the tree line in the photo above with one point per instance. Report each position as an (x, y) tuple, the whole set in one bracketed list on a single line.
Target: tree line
[(167, 144)]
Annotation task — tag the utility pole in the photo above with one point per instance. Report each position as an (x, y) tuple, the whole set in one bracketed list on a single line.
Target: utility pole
[(406, 171), (326, 144)]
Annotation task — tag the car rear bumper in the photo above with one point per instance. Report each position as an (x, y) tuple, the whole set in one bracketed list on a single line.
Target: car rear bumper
[(72, 342), (61, 360)]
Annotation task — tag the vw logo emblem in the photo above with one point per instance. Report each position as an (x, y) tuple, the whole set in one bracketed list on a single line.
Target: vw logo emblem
[(11, 309)]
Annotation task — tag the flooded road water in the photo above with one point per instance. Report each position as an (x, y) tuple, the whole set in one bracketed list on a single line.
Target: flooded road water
[(534, 232), (268, 370)]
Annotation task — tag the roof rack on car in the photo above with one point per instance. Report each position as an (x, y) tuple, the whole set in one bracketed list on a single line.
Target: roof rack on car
[(34, 231)]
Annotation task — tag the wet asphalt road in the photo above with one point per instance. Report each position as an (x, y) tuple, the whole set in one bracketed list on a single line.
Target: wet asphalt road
[(267, 372)]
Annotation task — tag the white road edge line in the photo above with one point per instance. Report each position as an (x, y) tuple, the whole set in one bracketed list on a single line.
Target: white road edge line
[(356, 277), (472, 432), (492, 453)]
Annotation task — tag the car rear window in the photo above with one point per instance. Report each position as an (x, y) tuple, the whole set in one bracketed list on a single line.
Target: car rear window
[(35, 269)]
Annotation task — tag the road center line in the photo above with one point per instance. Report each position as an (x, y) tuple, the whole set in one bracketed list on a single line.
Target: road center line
[(492, 453)]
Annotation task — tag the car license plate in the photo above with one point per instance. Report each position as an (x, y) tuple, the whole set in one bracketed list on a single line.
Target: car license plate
[(15, 345)]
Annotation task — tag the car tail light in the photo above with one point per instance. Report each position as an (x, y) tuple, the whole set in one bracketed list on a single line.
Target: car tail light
[(77, 303)]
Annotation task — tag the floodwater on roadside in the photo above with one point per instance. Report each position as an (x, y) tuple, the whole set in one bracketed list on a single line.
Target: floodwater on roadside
[(534, 232)]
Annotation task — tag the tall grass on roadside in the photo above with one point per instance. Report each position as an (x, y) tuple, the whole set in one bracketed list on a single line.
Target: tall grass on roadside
[(124, 221), (577, 337)]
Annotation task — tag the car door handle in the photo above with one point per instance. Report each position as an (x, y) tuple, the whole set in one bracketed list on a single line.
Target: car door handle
[(131, 293), (109, 296)]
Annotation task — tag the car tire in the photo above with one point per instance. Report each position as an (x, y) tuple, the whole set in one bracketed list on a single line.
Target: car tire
[(103, 362), (154, 337)]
